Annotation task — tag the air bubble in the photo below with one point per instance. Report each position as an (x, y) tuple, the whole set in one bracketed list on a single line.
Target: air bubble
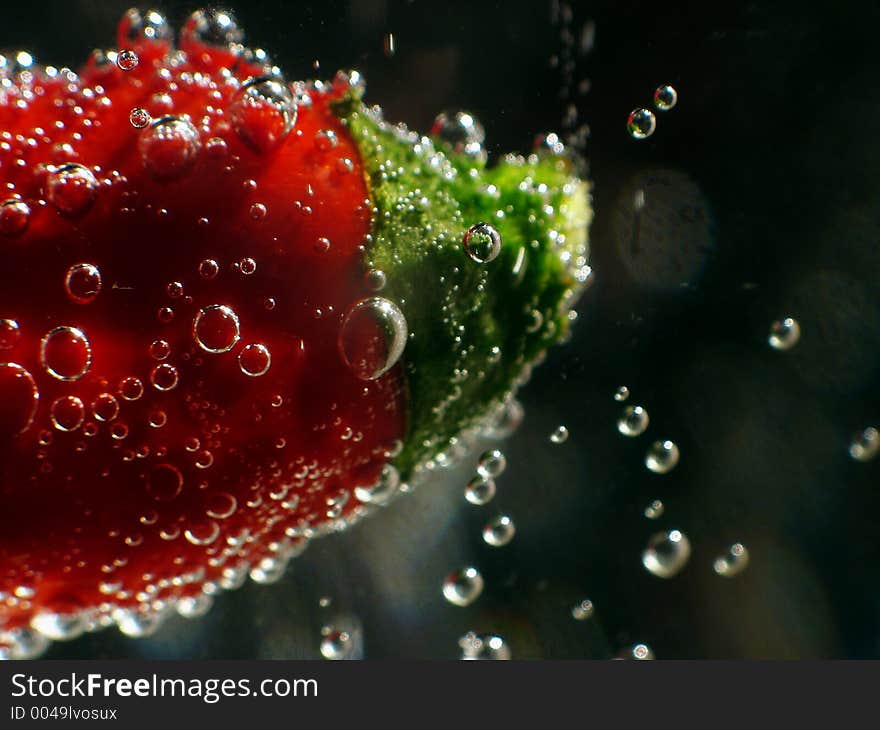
[(665, 97), (169, 147), (865, 444), (463, 587), (139, 118), (666, 553), (72, 188), (208, 269), (733, 562), (83, 283), (582, 610), (505, 420), (263, 112), (375, 279), (372, 337), (326, 140), (216, 328), (559, 435), (160, 349), (655, 510), (621, 394), (10, 334), (784, 333), (131, 388), (202, 533), (480, 490), (14, 216), (221, 506), (204, 459), (499, 531), (491, 464), (18, 399), (482, 243), (254, 360), (662, 457), (641, 123), (638, 652), (384, 488), (118, 431), (66, 353), (67, 413), (105, 407), (633, 421)]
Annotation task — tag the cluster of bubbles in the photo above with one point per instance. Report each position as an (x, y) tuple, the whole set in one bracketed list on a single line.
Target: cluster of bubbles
[(661, 456), (582, 610), (476, 646), (641, 122), (655, 509), (343, 638), (865, 444), (733, 562)]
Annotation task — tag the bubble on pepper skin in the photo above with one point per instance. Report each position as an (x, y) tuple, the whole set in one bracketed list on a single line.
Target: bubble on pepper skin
[(216, 328), (83, 283), (169, 147), (372, 337), (72, 189), (263, 112), (66, 353), (254, 360), (127, 60), (14, 217), (482, 243), (10, 334), (19, 398)]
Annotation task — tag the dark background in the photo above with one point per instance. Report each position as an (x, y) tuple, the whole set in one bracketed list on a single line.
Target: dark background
[(761, 191)]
